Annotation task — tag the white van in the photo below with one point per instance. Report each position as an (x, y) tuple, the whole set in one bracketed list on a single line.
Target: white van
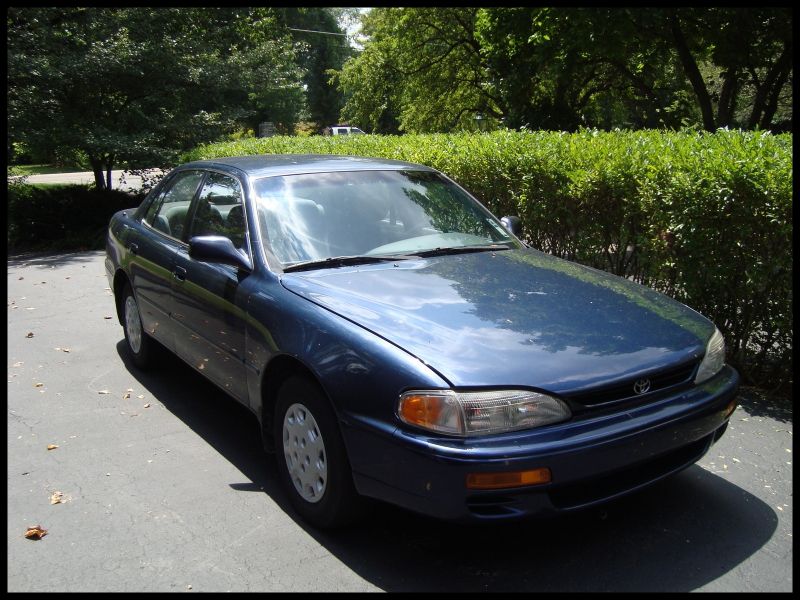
[(341, 130)]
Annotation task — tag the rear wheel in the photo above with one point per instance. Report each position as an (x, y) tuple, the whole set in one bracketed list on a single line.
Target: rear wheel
[(311, 456), (140, 345)]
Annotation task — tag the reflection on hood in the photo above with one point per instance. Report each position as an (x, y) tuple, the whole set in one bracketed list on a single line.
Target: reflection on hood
[(515, 317)]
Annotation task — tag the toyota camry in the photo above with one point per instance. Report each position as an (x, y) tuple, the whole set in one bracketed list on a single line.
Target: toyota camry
[(397, 341)]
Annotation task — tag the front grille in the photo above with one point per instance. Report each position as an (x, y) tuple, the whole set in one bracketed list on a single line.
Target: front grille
[(659, 381)]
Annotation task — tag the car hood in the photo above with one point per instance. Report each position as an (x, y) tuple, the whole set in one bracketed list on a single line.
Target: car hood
[(512, 317)]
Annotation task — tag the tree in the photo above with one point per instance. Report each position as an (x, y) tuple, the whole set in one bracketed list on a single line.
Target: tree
[(141, 85), (750, 51), (369, 84), (421, 67), (322, 46), (435, 69)]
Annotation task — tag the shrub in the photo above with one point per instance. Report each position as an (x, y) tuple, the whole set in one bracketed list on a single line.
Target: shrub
[(63, 217), (705, 218)]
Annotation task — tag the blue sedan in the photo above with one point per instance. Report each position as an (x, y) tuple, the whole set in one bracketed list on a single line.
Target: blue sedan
[(397, 341)]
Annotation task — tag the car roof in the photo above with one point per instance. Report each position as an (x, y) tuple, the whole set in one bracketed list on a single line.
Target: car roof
[(269, 165)]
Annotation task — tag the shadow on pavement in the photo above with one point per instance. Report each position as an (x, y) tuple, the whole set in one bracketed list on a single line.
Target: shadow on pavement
[(757, 404), (678, 535), (52, 259)]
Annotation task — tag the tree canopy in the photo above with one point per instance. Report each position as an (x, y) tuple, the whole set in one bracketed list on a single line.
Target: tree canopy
[(141, 85), (318, 52), (437, 69)]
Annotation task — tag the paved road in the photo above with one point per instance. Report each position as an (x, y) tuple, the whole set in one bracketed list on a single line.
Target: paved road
[(165, 488), (132, 182)]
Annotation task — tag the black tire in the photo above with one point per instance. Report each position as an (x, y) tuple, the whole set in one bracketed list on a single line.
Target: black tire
[(140, 344), (320, 482)]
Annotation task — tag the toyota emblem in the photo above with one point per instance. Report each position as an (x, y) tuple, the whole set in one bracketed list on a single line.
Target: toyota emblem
[(642, 386)]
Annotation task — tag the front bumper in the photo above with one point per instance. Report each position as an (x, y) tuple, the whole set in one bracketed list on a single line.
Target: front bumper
[(592, 460)]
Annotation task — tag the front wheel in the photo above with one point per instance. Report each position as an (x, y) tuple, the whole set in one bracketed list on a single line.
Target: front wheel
[(311, 456)]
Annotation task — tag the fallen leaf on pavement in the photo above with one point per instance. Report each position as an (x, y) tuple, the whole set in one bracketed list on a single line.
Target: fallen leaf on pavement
[(103, 392), (57, 498), (108, 317), (38, 385), (126, 395), (35, 533), (30, 335), (147, 405), (51, 446)]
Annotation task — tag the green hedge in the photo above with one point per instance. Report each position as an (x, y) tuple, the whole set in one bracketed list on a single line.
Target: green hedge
[(705, 218), (62, 217)]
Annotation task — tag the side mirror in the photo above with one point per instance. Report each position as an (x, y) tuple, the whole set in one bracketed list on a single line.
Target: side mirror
[(513, 224), (218, 249)]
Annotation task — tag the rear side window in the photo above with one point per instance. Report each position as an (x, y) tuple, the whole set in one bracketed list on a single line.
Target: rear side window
[(169, 210), (220, 210)]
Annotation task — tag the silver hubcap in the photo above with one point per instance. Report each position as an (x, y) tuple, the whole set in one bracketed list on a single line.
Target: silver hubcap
[(133, 326), (305, 455)]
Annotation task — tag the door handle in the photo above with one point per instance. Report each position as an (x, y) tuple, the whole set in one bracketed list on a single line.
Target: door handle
[(134, 248), (179, 273)]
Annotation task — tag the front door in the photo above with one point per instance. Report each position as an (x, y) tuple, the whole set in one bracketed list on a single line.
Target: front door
[(152, 256), (209, 311)]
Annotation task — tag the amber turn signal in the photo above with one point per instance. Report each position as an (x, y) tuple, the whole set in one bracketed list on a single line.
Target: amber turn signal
[(496, 481)]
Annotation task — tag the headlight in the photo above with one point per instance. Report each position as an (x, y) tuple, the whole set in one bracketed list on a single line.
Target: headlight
[(480, 413), (714, 359)]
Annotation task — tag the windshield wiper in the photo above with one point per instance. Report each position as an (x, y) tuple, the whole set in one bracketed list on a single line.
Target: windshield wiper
[(342, 261), (461, 250), (364, 259)]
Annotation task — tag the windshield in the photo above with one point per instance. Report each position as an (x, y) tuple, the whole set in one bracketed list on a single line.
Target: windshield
[(320, 216)]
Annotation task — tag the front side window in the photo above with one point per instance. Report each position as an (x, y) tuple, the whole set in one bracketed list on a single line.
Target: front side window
[(169, 210), (220, 210), (370, 213)]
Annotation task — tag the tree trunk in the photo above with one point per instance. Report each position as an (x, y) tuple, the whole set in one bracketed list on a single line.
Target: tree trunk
[(767, 92), (727, 98), (97, 169), (693, 73), (776, 87), (109, 163), (772, 103)]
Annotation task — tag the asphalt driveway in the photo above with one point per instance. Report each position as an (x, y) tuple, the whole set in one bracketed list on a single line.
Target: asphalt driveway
[(157, 482)]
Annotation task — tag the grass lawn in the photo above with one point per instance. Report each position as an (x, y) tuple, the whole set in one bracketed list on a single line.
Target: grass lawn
[(45, 169)]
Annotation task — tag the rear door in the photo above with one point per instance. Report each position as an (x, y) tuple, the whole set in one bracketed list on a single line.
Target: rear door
[(152, 254), (209, 306)]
